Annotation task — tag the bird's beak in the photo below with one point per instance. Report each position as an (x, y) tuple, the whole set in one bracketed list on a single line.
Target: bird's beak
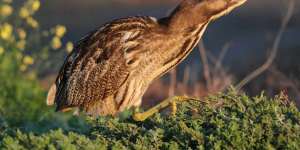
[(236, 3), (231, 5)]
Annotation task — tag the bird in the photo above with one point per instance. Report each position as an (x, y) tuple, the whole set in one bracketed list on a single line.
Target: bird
[(110, 68)]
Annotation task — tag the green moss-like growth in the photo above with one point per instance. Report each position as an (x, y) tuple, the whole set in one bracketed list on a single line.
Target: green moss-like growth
[(229, 121)]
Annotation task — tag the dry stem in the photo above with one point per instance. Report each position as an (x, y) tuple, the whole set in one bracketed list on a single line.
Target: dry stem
[(274, 51)]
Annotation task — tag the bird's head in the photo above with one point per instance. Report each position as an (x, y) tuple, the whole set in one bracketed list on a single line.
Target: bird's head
[(197, 11), (213, 9)]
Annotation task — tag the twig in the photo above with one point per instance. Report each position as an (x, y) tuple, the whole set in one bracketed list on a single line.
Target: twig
[(186, 78), (274, 51), (206, 69), (221, 56), (173, 82), (217, 60), (292, 84)]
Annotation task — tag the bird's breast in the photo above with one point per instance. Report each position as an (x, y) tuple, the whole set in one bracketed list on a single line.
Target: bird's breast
[(170, 51)]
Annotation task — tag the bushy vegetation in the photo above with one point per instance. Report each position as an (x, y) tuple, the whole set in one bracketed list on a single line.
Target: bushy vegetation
[(24, 50), (230, 120)]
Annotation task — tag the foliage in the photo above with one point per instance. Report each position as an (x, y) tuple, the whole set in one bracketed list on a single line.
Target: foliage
[(230, 121), (22, 104), (24, 47), (22, 40)]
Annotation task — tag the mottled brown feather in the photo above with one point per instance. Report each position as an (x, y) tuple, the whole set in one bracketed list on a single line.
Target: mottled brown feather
[(94, 70)]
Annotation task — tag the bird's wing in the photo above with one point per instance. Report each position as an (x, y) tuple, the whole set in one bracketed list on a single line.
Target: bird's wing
[(101, 62)]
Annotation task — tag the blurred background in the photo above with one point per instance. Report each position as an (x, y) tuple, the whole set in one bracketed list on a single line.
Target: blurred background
[(36, 36)]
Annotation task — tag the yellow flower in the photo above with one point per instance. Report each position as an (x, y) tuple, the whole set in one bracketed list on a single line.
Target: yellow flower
[(22, 33), (60, 30), (36, 5), (69, 47), (31, 75), (1, 50), (23, 67), (19, 55), (21, 44), (28, 60), (6, 10), (6, 31), (32, 22), (24, 13), (56, 43)]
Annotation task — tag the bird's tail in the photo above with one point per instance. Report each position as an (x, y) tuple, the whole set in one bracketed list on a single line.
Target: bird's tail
[(51, 95)]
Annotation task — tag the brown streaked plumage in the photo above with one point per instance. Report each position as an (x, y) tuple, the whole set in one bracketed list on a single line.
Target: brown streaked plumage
[(110, 69)]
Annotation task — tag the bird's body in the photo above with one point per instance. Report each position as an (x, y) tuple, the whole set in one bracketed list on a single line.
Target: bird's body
[(111, 68)]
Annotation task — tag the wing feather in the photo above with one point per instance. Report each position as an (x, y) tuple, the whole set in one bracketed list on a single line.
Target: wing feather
[(100, 63)]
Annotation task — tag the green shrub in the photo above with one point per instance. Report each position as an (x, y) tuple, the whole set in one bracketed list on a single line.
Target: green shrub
[(22, 102), (229, 121), (24, 48)]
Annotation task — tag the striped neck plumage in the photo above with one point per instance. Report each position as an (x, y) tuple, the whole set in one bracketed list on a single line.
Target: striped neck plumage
[(192, 13)]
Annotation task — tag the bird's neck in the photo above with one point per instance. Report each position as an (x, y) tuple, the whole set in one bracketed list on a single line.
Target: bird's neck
[(182, 19)]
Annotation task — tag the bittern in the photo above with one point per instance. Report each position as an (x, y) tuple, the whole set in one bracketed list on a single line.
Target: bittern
[(110, 69)]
